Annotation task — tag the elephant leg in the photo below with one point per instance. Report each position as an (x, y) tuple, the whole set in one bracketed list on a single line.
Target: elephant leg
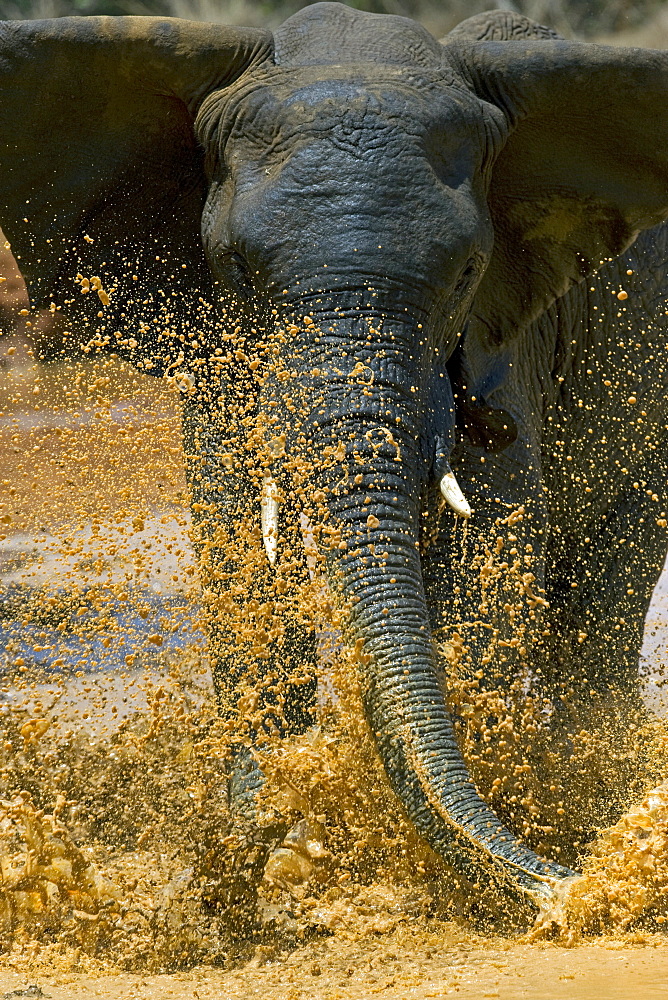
[(599, 583), (262, 645), (545, 673), (277, 681)]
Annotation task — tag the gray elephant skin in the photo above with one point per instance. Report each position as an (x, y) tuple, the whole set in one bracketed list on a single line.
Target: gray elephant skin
[(456, 249)]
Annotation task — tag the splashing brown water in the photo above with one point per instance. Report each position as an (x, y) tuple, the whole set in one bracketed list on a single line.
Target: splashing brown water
[(117, 850), (624, 881)]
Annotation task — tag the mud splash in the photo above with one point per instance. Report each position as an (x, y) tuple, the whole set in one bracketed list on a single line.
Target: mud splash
[(624, 882), (166, 878), (138, 866), (117, 848)]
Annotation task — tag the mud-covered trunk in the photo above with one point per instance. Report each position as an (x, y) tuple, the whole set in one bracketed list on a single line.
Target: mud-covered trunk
[(369, 409), (349, 410)]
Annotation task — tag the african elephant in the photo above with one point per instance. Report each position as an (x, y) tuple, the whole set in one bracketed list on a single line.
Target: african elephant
[(372, 258)]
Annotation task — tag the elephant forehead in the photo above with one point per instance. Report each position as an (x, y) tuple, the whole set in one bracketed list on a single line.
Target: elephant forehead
[(359, 108), (358, 116), (336, 100)]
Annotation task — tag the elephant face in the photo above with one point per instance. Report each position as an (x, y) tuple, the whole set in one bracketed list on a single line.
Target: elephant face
[(301, 201), (368, 195), (304, 217)]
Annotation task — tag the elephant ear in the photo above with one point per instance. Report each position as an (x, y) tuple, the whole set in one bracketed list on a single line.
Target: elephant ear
[(100, 172), (583, 170), (499, 26)]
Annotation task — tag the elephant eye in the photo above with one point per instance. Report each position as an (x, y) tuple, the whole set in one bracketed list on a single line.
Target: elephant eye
[(469, 273), (232, 267)]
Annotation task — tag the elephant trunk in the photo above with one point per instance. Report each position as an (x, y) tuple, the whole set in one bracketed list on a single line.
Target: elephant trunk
[(366, 413)]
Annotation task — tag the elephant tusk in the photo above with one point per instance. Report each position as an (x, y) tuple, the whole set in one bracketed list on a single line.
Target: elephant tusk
[(269, 519), (453, 495)]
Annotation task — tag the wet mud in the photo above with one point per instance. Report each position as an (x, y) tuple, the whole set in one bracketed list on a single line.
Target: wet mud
[(122, 871)]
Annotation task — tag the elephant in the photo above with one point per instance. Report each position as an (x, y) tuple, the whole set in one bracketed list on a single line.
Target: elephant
[(412, 291)]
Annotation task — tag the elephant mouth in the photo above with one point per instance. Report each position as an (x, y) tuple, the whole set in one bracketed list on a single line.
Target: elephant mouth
[(270, 508)]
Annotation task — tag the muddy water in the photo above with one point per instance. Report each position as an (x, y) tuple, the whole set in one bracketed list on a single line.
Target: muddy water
[(115, 844), (405, 968)]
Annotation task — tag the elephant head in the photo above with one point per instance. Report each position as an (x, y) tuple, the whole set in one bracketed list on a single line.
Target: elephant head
[(371, 195)]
